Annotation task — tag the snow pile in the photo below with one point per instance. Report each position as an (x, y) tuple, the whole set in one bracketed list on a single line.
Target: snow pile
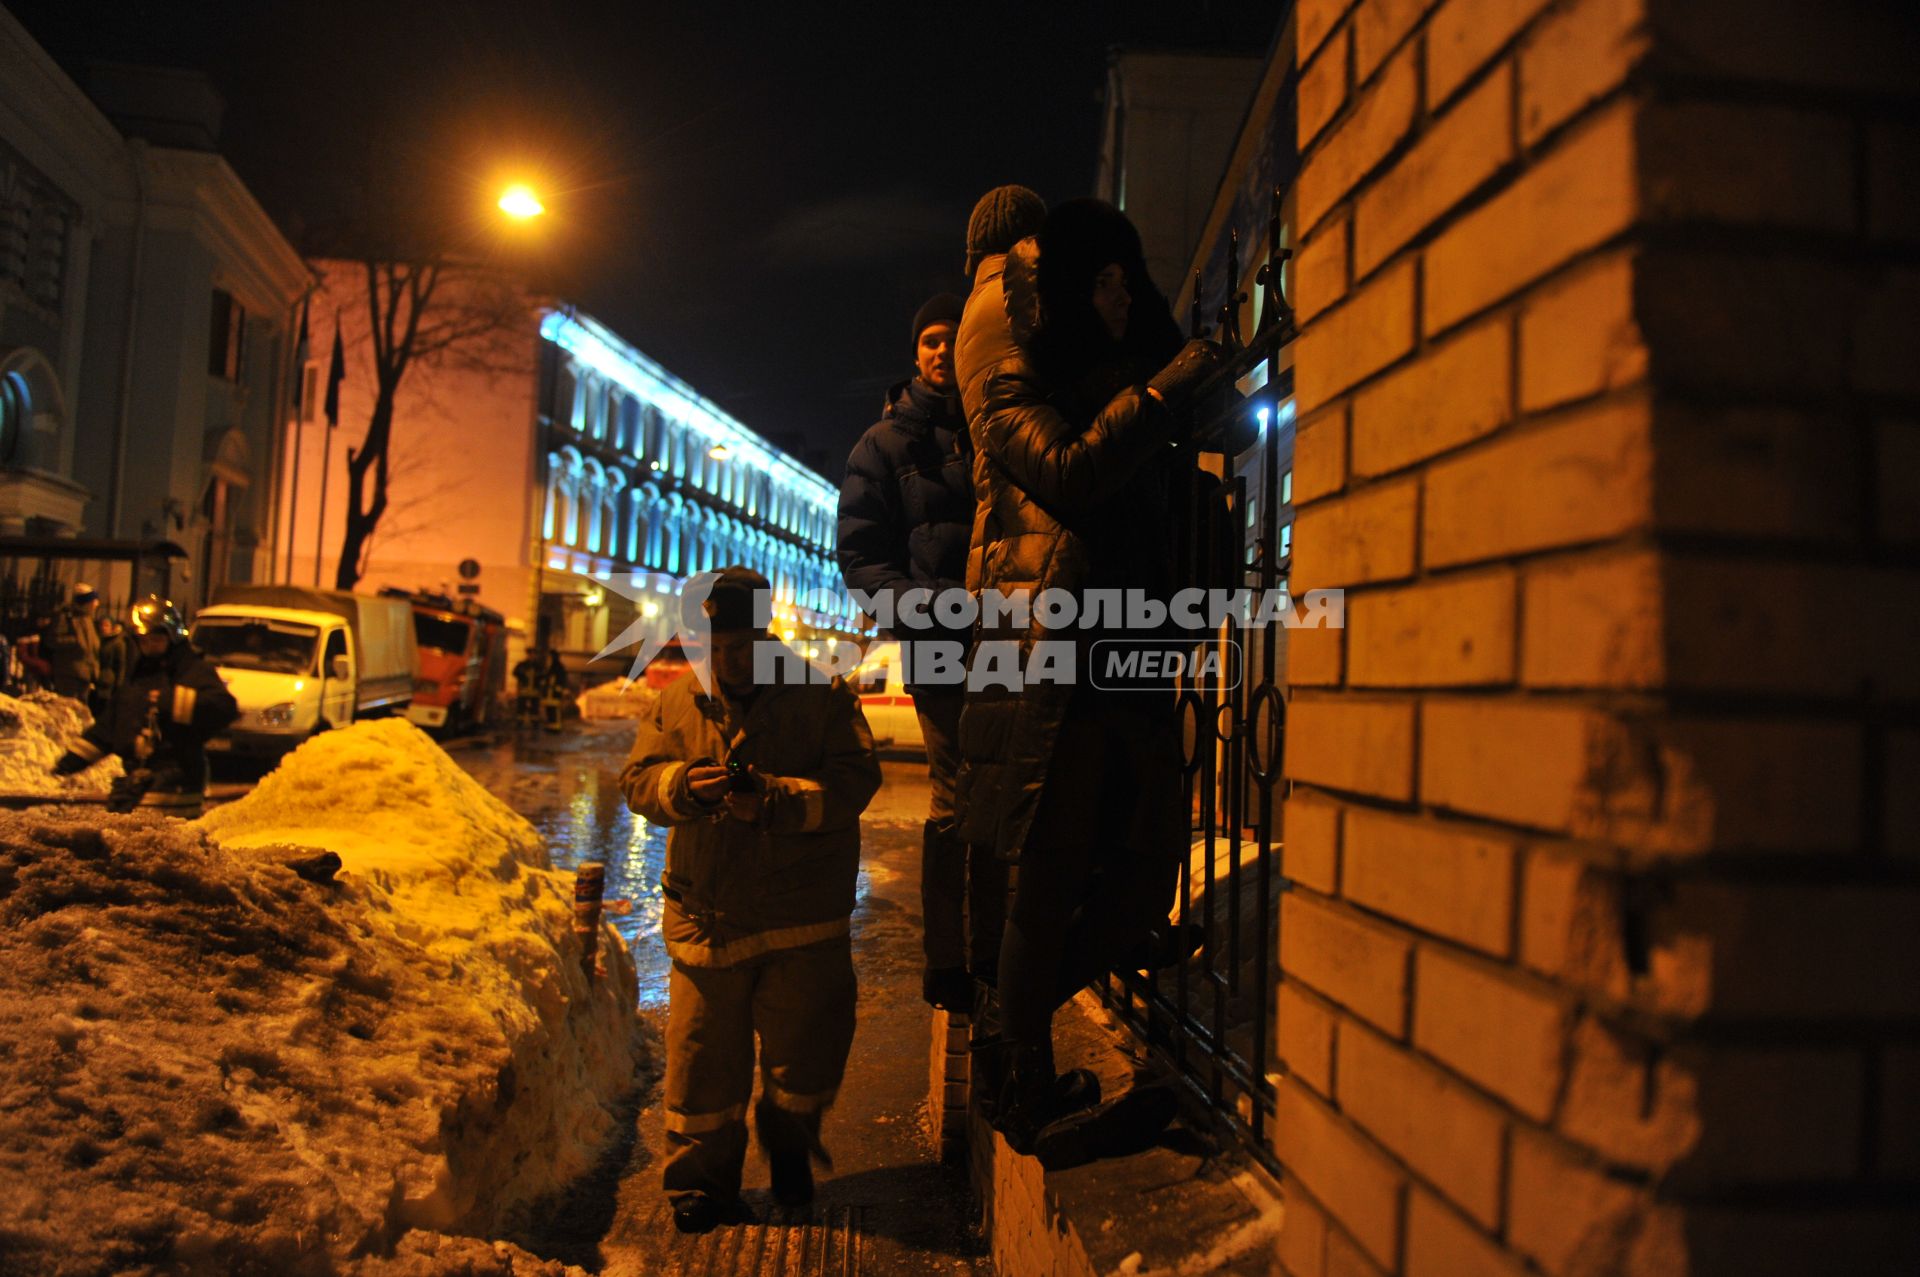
[(208, 1063), (35, 730), (617, 698)]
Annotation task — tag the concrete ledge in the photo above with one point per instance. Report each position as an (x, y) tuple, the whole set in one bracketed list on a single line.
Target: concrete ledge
[(1183, 1206)]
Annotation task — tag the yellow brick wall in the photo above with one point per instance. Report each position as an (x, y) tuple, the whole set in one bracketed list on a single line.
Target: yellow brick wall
[(1599, 951)]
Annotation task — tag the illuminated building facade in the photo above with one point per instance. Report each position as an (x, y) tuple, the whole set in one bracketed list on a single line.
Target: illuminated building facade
[(565, 480), (646, 483)]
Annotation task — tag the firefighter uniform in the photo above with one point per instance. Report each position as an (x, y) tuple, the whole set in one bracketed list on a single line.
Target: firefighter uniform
[(158, 719), (756, 917)]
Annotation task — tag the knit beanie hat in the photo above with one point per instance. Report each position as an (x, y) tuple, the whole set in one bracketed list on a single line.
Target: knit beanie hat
[(942, 308), (736, 598), (1004, 216)]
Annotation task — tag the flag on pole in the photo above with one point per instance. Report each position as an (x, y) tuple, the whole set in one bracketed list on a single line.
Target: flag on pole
[(336, 373), (300, 356)]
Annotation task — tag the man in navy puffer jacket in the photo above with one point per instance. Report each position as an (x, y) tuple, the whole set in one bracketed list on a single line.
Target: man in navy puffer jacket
[(906, 515)]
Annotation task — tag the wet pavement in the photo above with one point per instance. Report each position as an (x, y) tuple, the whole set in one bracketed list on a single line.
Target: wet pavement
[(889, 1206)]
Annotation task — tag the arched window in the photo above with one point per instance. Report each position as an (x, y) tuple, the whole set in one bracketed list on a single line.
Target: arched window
[(593, 493), (612, 543)]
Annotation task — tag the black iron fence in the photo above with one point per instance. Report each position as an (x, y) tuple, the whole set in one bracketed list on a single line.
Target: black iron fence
[(1210, 1019)]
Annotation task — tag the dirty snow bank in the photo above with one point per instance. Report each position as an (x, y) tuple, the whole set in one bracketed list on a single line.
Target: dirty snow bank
[(208, 1063), (35, 730)]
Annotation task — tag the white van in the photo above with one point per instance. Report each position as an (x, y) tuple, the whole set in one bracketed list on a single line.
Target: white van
[(885, 701)]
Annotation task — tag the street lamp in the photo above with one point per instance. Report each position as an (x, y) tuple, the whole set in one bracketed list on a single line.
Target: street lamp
[(520, 203)]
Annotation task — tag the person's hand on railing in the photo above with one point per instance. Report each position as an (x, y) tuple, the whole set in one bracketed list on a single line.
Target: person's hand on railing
[(1198, 360)]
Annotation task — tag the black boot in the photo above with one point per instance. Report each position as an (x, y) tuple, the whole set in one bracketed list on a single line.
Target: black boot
[(947, 989), (1033, 1097), (792, 1143)]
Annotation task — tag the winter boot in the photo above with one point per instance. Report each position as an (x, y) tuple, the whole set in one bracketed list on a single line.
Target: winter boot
[(947, 989), (791, 1143), (1033, 1096), (1129, 1123)]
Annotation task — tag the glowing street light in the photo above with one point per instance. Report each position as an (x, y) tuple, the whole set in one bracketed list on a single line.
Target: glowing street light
[(518, 201), (719, 452)]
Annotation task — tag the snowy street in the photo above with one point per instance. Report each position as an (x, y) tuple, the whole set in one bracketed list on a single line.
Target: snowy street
[(905, 1213)]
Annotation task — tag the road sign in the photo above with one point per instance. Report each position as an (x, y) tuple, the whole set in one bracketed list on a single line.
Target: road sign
[(465, 588), (469, 569)]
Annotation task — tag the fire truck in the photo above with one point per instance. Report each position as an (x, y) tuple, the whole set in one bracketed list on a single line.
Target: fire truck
[(462, 672)]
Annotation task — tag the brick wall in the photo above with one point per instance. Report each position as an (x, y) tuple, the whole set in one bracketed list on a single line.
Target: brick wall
[(1601, 951)]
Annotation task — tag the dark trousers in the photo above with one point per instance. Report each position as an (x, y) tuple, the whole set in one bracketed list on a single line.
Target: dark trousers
[(1098, 869), (943, 856)]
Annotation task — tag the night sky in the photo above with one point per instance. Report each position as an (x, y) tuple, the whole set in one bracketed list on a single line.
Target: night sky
[(757, 196)]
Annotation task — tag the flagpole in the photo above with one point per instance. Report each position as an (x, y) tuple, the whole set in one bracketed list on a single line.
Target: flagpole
[(336, 373), (300, 410)]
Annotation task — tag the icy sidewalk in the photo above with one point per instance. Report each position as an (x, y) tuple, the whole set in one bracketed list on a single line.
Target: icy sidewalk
[(209, 1063)]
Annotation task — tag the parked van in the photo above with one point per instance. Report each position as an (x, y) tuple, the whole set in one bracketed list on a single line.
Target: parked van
[(300, 661), (885, 701), (462, 653)]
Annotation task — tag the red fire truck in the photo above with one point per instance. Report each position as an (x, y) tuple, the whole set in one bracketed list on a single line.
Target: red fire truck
[(463, 661)]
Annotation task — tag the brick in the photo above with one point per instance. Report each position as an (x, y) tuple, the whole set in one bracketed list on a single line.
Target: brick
[(1464, 34), (1316, 656), (1453, 882), (1320, 455), (1364, 536), (1576, 54), (1302, 1244), (1362, 746), (1452, 394), (1586, 476), (1305, 1029), (1897, 1118), (1571, 923), (1320, 270), (1740, 625), (1784, 953), (1579, 195), (1436, 1126), (1441, 1244), (1457, 153), (1345, 1258), (1893, 182), (1593, 621), (1314, 19), (1747, 785), (1381, 116), (1777, 1116), (1323, 87), (1454, 632), (1897, 481), (1379, 25), (1758, 472), (1788, 1239), (1491, 1028), (1578, 336), (1523, 762), (1886, 332), (1747, 164), (1780, 43), (1358, 964), (1900, 782), (1569, 1217), (1310, 842), (1727, 322), (1368, 331), (1359, 1187)]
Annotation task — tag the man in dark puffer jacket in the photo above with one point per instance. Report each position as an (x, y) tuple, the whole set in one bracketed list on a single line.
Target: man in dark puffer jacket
[(906, 513)]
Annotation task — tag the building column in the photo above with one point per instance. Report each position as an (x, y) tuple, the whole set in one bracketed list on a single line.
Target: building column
[(1601, 835)]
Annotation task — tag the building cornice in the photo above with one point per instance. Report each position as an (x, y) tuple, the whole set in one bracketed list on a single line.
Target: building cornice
[(254, 261), (46, 117)]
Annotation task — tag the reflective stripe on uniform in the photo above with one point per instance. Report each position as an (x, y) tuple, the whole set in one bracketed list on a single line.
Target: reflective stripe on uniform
[(86, 749), (679, 1123), (813, 803), (697, 954), (183, 699), (663, 791), (794, 1102)]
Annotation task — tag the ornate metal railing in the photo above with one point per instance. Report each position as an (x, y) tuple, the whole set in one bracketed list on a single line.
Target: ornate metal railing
[(1209, 1019)]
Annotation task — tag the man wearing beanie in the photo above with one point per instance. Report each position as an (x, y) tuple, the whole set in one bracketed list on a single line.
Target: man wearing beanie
[(762, 787), (906, 513)]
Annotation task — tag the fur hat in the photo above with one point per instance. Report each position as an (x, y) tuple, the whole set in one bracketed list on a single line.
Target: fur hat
[(1002, 218), (738, 599)]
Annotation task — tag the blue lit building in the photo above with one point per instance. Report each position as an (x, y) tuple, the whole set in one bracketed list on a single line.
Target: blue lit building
[(644, 483)]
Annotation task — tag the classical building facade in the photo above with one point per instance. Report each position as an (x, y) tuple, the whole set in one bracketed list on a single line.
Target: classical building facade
[(145, 304), (576, 481)]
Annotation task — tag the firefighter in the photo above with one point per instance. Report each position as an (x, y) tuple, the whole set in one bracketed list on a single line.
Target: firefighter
[(526, 690), (74, 646), (763, 786), (555, 691), (158, 719)]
